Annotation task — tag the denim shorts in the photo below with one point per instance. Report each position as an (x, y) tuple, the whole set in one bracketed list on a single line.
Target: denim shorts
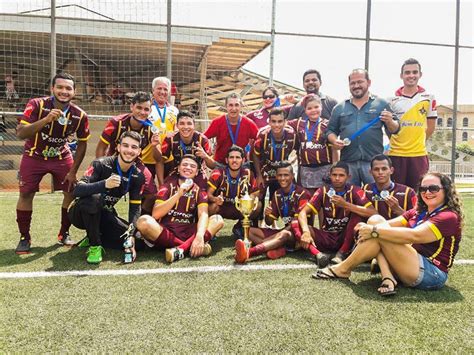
[(430, 277)]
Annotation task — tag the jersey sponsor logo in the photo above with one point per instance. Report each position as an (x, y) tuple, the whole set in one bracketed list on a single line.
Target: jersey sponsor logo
[(334, 224), (52, 152), (111, 199), (311, 145), (186, 217), (56, 140), (411, 124)]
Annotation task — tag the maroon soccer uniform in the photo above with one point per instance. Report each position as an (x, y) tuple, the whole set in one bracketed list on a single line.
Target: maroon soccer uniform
[(116, 126), (50, 142), (261, 117), (182, 218), (272, 152), (445, 224), (405, 195), (288, 206), (313, 146)]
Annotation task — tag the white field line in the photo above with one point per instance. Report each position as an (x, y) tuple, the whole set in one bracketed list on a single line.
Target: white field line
[(204, 269)]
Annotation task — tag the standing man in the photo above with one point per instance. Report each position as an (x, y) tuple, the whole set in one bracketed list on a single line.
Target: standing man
[(106, 181), (417, 112), (45, 125), (311, 83), (231, 129), (356, 125), (163, 116), (136, 121)]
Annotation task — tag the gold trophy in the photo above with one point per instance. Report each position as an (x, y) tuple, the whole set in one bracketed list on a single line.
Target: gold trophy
[(246, 205)]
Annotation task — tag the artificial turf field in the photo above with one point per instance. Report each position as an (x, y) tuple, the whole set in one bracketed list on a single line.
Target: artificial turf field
[(235, 310)]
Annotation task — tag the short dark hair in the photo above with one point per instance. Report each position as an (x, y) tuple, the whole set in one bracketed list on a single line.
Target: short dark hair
[(236, 148), (233, 95), (276, 112), (192, 157), (381, 157), (272, 89), (285, 164), (340, 165), (64, 76), (133, 135), (411, 61), (312, 71), (141, 96), (309, 98), (184, 113), (359, 71)]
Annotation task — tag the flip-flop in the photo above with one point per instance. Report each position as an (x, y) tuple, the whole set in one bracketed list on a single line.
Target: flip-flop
[(387, 286), (327, 274)]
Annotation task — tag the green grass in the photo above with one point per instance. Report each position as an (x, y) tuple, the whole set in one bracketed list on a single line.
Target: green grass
[(237, 311)]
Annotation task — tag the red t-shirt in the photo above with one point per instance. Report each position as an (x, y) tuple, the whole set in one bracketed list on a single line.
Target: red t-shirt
[(218, 129)]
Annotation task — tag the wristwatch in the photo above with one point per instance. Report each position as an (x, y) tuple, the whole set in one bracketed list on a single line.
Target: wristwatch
[(374, 233)]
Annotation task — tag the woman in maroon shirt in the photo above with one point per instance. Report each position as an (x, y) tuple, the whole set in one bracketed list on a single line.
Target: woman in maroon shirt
[(419, 246)]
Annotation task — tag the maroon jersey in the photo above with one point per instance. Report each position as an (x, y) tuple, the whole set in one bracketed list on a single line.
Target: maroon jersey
[(335, 218), (288, 206), (182, 218), (230, 188), (405, 195), (173, 148), (446, 225), (271, 151), (51, 141), (313, 146), (120, 124), (262, 116)]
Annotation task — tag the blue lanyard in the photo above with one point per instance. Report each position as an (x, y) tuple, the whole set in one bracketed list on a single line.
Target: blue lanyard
[(342, 193), (232, 183), (277, 151), (364, 128), (421, 216), (66, 110), (119, 171), (162, 115), (310, 133), (184, 147), (229, 128), (376, 190), (285, 200)]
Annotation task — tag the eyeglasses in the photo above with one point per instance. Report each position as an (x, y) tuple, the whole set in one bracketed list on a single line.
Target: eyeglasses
[(268, 97), (430, 188)]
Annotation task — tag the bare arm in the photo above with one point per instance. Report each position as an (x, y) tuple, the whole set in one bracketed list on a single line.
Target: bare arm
[(25, 131), (360, 210), (430, 127), (401, 235), (101, 149), (162, 208)]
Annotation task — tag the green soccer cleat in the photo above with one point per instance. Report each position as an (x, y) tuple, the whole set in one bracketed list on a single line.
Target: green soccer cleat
[(94, 254), (84, 243)]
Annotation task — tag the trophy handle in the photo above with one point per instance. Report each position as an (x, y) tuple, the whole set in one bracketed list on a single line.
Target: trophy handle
[(255, 203)]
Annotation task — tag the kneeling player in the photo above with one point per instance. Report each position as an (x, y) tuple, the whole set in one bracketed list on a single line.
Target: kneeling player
[(286, 202), (106, 181), (342, 206), (225, 184), (180, 202)]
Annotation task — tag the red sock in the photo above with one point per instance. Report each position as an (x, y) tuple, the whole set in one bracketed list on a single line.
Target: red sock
[(313, 250), (295, 227), (65, 222), (23, 218), (257, 250), (186, 245)]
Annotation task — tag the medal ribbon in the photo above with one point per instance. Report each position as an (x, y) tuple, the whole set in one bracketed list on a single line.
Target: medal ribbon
[(277, 152), (162, 115), (229, 128), (65, 111), (285, 200), (232, 183), (376, 190), (364, 128), (119, 171), (310, 133), (421, 216)]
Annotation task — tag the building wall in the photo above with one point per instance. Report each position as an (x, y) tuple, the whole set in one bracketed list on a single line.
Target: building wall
[(464, 122)]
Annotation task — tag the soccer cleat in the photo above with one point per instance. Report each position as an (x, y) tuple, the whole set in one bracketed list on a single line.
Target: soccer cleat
[(24, 246), (276, 253), (322, 259), (65, 239), (241, 252), (207, 250), (84, 243), (94, 254), (173, 254), (338, 258)]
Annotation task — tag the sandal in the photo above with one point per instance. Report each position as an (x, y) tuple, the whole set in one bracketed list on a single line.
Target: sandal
[(327, 274), (385, 286)]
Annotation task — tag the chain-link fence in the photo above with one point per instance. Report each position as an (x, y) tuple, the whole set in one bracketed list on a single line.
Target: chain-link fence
[(116, 47)]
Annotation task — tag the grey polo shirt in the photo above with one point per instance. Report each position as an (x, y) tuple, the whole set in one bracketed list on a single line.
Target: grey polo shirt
[(327, 103), (347, 119)]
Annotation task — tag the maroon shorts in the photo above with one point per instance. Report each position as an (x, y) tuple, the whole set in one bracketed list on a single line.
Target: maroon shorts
[(409, 170), (32, 171), (167, 239), (229, 211), (327, 242), (268, 232)]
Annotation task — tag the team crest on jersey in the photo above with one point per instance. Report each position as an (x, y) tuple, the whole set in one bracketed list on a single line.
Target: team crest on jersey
[(422, 111), (28, 110), (162, 192)]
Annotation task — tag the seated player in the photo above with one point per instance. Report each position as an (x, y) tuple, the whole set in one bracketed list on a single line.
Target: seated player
[(419, 245), (225, 184), (105, 182), (342, 206), (287, 201), (185, 141), (136, 120), (390, 199), (180, 222)]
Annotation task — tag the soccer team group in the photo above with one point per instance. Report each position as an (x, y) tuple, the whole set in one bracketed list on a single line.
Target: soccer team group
[(346, 204)]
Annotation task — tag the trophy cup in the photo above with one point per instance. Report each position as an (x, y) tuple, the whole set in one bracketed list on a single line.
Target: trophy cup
[(246, 205)]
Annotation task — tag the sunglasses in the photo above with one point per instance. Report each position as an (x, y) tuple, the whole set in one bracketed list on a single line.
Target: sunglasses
[(430, 188), (268, 97)]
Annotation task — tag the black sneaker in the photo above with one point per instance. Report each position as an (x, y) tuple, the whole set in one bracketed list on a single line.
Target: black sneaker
[(322, 259), (238, 230), (24, 246), (65, 239)]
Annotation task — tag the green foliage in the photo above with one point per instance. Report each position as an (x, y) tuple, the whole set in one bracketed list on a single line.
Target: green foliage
[(465, 148)]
